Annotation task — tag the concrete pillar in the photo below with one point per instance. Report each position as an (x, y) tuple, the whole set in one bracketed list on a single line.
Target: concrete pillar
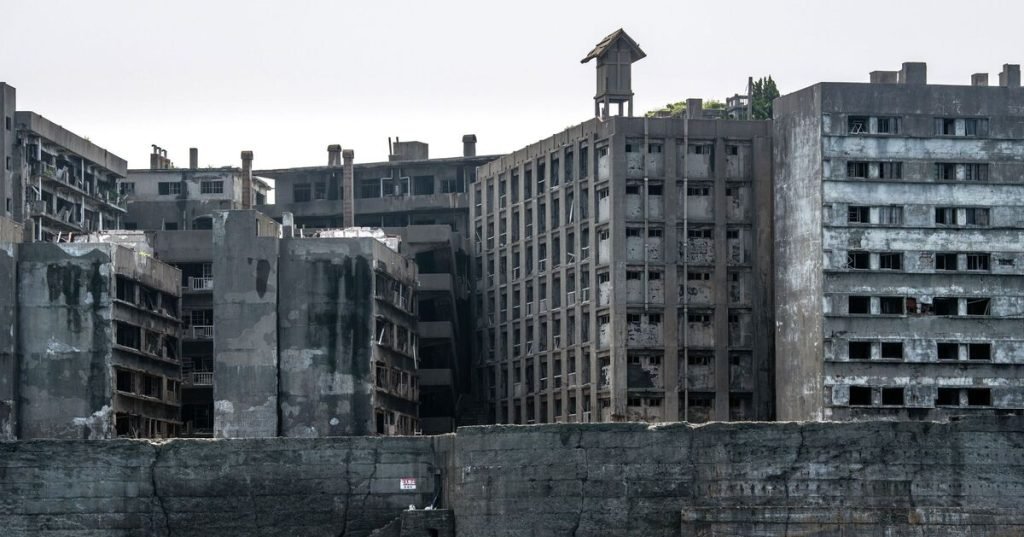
[(1010, 77), (469, 145), (193, 158), (334, 155), (979, 79), (8, 340), (246, 179), (348, 189)]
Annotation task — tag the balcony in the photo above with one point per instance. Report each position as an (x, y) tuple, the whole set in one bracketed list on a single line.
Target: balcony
[(436, 282), (201, 332), (199, 284), (65, 179), (202, 378)]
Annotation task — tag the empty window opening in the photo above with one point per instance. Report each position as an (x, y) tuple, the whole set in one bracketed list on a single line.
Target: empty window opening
[(857, 125), (945, 261), (857, 169), (947, 397), (891, 305), (948, 351), (858, 260), (943, 305), (979, 397), (859, 215), (976, 217), (859, 304), (890, 261), (945, 216), (860, 396), (979, 351), (859, 350), (979, 306), (977, 261), (892, 396), (124, 381), (890, 170), (892, 350)]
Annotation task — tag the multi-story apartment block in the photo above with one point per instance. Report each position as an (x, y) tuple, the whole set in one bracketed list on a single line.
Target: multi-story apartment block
[(97, 352), (315, 335), (622, 267), (54, 182), (899, 217)]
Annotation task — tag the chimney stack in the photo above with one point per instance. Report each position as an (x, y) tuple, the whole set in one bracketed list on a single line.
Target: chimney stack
[(694, 108), (469, 145), (334, 155), (1010, 77), (914, 74), (193, 158), (979, 79), (348, 189), (246, 179)]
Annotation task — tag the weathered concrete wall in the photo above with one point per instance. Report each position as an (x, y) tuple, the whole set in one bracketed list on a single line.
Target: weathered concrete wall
[(245, 316), (877, 478), (64, 329), (8, 339), (325, 331), (918, 479), (798, 258), (267, 487)]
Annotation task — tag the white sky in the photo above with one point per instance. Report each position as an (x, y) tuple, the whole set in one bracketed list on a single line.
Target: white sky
[(286, 79)]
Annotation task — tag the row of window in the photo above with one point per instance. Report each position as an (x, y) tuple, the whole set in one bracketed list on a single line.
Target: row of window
[(945, 261), (893, 215), (944, 171), (899, 305), (896, 396), (893, 350), (173, 188), (944, 126)]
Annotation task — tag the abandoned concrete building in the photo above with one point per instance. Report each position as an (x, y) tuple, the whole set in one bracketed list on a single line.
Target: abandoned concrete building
[(315, 336), (898, 254), (96, 353), (55, 182), (623, 267)]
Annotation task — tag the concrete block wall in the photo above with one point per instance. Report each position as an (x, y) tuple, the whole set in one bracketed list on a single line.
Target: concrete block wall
[(8, 339), (268, 487)]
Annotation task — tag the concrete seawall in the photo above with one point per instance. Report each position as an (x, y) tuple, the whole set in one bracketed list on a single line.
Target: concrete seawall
[(905, 478)]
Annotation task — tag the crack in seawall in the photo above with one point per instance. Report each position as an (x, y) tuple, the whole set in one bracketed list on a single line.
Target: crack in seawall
[(157, 451)]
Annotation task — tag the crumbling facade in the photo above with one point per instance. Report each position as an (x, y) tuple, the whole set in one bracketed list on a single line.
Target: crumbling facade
[(622, 271), (98, 343), (315, 336), (898, 253), (57, 182)]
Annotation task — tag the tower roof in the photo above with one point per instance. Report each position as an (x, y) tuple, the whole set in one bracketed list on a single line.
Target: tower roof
[(611, 39)]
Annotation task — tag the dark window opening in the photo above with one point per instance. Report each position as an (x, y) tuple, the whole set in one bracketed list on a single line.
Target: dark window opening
[(892, 396), (979, 306), (979, 397), (977, 261), (945, 216), (302, 192), (858, 260), (860, 396), (979, 351), (942, 305), (859, 215), (124, 381), (947, 397), (859, 304), (948, 351), (892, 350), (859, 350), (890, 261), (857, 125), (857, 169), (945, 262), (891, 305)]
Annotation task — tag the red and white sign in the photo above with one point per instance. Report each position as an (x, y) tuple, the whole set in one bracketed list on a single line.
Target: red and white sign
[(408, 483)]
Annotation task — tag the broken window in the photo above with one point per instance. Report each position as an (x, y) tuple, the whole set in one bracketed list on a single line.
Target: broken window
[(945, 216), (945, 305), (698, 191), (891, 305), (857, 125), (857, 169), (945, 261), (858, 260), (979, 351), (890, 215), (890, 261), (947, 397), (128, 335), (890, 170), (423, 185), (976, 217), (859, 304), (860, 396), (892, 350), (859, 350), (947, 351), (945, 171), (698, 276), (125, 381), (979, 306), (892, 396), (977, 261), (858, 215), (704, 233), (975, 172), (701, 149), (979, 397), (888, 125)]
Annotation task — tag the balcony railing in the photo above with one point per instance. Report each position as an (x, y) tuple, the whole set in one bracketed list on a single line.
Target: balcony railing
[(200, 284), (202, 332), (202, 378)]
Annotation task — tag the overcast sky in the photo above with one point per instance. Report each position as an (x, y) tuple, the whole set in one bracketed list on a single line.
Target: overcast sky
[(286, 79)]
